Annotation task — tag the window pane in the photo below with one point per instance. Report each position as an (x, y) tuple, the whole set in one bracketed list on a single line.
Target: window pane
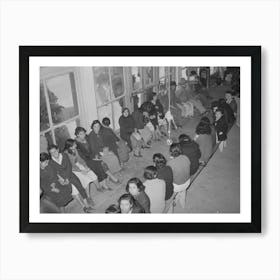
[(161, 72), (63, 97), (101, 84), (117, 81), (117, 109), (65, 132), (44, 119), (136, 78), (105, 111), (148, 74)]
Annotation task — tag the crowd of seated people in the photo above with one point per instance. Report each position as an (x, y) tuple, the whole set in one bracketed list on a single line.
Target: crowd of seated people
[(165, 177), (90, 160)]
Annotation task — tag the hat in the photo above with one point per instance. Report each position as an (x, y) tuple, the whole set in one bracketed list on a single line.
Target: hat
[(182, 81)]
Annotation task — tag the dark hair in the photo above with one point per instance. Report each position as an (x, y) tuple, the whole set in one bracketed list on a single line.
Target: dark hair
[(113, 209), (173, 83), (220, 110), (52, 146), (44, 157), (150, 172), (214, 104), (129, 197), (184, 138), (106, 121), (94, 123), (151, 95), (203, 128), (205, 120), (79, 129), (69, 144), (159, 160), (137, 182), (175, 150), (125, 109), (222, 101)]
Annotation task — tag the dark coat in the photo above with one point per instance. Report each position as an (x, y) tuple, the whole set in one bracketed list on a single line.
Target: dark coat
[(96, 142), (126, 128), (87, 155), (110, 139), (221, 127), (192, 151), (165, 173), (49, 176)]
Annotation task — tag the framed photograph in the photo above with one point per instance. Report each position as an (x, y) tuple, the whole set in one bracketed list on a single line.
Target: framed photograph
[(170, 135)]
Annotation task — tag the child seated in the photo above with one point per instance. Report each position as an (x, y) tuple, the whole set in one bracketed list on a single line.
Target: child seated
[(136, 188)]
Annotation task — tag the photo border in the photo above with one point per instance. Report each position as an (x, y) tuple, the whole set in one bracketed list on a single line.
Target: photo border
[(25, 52)]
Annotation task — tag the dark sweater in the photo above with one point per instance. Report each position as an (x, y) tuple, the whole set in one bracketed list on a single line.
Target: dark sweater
[(221, 128), (165, 173), (192, 151)]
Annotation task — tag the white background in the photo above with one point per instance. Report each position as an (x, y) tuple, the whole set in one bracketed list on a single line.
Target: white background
[(139, 256)]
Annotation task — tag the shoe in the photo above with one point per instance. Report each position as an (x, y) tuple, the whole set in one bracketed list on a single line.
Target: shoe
[(138, 155), (90, 202), (89, 209), (100, 189)]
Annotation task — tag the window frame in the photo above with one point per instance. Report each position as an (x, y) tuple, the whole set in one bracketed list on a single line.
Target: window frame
[(43, 79)]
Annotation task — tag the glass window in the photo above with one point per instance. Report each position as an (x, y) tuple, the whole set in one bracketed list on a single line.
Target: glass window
[(117, 81), (44, 118), (148, 74), (161, 72), (62, 97), (101, 85), (136, 78), (105, 111), (117, 109)]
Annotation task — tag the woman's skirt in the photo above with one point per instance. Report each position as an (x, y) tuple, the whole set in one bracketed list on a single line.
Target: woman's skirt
[(85, 179)]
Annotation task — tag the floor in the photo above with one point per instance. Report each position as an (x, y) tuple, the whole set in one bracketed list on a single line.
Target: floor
[(215, 189)]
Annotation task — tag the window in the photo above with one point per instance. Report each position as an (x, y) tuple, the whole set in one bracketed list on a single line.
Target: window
[(109, 92), (59, 112)]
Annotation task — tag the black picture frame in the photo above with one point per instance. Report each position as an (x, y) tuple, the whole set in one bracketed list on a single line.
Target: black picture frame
[(25, 52)]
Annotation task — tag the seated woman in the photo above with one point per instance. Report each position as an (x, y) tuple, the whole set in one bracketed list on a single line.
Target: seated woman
[(110, 139), (190, 149), (60, 162), (180, 165), (141, 127), (97, 146), (79, 167), (53, 190), (165, 173), (159, 122), (92, 162), (204, 139), (136, 188), (128, 132), (155, 189), (128, 205)]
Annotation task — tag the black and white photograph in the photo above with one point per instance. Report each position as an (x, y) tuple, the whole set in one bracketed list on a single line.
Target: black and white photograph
[(140, 139), (152, 131)]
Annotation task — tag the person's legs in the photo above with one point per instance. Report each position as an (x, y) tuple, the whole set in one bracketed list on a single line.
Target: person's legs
[(136, 146)]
